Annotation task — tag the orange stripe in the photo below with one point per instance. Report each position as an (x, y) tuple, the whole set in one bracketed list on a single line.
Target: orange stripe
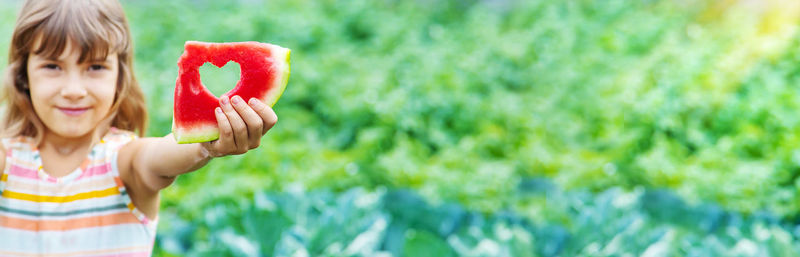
[(63, 225), (60, 199), (86, 163), (4, 178), (118, 181)]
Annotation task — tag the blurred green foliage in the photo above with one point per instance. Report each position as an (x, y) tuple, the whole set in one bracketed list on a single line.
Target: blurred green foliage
[(623, 110), (400, 223)]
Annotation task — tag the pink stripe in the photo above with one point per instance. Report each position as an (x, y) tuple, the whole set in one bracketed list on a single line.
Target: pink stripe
[(96, 170), (22, 172)]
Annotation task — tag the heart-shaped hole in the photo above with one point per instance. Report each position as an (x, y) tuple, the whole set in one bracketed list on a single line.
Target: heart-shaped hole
[(219, 80)]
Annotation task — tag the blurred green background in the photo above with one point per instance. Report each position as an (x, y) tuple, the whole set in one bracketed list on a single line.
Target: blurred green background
[(492, 128)]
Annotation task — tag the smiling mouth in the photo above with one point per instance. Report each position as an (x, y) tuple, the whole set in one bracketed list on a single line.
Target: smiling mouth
[(73, 111)]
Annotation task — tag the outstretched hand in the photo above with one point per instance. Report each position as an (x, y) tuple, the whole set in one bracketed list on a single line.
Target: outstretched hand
[(241, 126)]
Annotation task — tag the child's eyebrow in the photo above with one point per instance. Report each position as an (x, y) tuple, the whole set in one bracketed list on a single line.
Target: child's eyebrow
[(47, 58), (101, 60)]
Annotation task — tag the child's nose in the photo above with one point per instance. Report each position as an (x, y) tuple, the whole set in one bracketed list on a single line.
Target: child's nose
[(74, 88)]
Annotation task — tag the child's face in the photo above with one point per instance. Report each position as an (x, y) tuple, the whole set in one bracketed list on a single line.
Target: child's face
[(72, 98)]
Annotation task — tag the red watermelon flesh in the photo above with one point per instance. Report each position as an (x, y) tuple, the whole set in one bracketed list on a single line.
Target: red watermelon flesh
[(264, 75)]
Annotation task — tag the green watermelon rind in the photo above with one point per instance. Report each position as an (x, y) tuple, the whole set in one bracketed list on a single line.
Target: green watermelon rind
[(196, 135)]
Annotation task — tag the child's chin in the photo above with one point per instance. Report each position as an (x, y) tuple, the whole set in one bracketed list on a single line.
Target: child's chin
[(70, 132)]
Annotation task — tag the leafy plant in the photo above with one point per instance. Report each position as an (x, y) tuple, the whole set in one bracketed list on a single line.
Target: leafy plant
[(461, 102)]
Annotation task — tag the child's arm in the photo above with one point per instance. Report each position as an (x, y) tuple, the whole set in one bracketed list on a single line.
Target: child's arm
[(155, 162)]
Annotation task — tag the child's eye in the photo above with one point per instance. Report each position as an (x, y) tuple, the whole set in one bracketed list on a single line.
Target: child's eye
[(51, 66), (97, 67)]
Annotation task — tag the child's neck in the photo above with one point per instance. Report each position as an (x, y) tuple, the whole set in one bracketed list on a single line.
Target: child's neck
[(62, 155), (67, 146)]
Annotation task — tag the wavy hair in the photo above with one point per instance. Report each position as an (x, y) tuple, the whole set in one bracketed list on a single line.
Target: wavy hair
[(96, 28)]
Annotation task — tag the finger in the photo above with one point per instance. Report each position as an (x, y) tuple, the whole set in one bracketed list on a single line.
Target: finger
[(237, 124), (266, 113), (225, 140), (251, 119)]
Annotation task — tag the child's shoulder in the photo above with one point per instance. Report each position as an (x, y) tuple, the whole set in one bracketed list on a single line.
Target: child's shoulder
[(20, 146), (18, 143), (118, 137), (114, 132)]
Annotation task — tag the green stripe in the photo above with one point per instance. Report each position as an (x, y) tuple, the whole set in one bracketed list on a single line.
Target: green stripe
[(39, 214)]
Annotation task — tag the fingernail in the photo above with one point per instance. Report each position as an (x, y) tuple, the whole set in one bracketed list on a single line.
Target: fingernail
[(255, 102), (218, 110), (224, 100), (237, 100)]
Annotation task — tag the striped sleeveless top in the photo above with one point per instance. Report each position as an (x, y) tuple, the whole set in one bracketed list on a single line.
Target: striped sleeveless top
[(85, 213)]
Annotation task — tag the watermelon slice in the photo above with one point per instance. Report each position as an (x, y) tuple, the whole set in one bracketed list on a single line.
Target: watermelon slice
[(264, 74)]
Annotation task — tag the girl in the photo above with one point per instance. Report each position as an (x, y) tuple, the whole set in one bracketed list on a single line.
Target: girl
[(78, 179)]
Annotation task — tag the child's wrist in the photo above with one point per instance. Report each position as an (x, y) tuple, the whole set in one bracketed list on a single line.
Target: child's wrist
[(204, 153)]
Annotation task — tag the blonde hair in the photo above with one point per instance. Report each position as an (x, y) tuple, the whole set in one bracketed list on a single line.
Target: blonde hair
[(96, 28)]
